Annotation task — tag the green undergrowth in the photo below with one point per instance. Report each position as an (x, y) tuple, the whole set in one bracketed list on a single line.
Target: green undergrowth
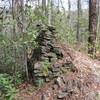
[(8, 84)]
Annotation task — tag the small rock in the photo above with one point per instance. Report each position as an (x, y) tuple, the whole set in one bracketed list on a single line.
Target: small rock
[(57, 65), (39, 74), (56, 74), (47, 80), (60, 82), (43, 97), (62, 95), (54, 59), (56, 70), (37, 65), (51, 28)]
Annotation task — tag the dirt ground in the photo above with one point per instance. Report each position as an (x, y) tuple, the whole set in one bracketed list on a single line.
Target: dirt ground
[(83, 84)]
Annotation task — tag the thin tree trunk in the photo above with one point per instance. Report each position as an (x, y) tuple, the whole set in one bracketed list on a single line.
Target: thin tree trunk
[(69, 13), (98, 6), (38, 3), (1, 20), (14, 36), (69, 9), (22, 30), (13, 17), (49, 12), (58, 6), (44, 7), (78, 19)]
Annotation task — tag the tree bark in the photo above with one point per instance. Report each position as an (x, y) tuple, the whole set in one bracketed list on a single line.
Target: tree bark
[(49, 11), (92, 27), (98, 8), (44, 7), (69, 8), (69, 13), (79, 13)]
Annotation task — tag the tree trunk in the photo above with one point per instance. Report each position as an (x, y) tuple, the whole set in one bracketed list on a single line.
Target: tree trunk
[(79, 13), (49, 11), (44, 7), (92, 27), (69, 13), (13, 18), (98, 8), (69, 8)]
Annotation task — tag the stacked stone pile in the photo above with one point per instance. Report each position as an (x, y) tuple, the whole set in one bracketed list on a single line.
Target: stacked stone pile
[(46, 40), (48, 58)]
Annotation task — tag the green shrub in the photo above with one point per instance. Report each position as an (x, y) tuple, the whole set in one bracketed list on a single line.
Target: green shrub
[(7, 87)]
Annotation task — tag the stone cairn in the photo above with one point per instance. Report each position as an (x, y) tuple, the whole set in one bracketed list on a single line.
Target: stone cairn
[(45, 57)]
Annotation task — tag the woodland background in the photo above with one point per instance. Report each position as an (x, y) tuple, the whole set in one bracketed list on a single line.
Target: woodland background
[(18, 31)]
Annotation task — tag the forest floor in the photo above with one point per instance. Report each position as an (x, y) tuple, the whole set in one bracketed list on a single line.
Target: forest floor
[(81, 83)]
